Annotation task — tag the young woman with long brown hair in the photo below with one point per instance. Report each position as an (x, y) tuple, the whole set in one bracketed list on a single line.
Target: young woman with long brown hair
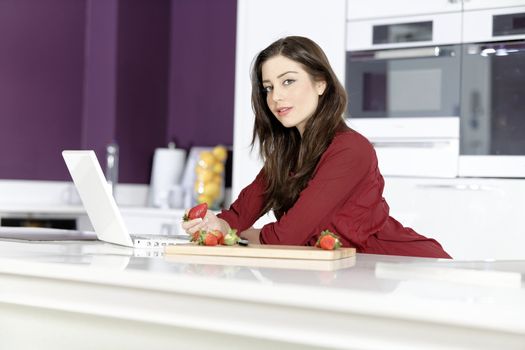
[(318, 174)]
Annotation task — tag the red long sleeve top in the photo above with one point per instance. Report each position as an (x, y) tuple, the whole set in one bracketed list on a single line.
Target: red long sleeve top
[(345, 196)]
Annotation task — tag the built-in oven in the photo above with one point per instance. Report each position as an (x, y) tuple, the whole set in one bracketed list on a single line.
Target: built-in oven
[(493, 94), (403, 79)]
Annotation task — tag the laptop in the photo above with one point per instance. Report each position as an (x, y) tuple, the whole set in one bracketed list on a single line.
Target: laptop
[(101, 207)]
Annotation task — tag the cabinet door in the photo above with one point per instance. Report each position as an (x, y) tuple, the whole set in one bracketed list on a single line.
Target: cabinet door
[(363, 9), (472, 218), (487, 4)]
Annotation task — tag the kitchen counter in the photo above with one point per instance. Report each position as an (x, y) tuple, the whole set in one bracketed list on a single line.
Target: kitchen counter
[(76, 210), (103, 295), (44, 201)]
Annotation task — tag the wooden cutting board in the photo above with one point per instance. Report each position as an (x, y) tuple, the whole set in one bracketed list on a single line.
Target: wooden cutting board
[(287, 264), (263, 251)]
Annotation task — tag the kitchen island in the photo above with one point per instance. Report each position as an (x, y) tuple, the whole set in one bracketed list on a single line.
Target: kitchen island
[(93, 295)]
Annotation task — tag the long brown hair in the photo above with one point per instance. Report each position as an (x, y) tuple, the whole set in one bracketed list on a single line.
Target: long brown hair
[(289, 159)]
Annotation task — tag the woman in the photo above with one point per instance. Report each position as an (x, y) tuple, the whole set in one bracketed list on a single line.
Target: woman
[(318, 174)]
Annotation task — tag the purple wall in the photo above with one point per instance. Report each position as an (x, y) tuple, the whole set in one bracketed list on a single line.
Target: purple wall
[(202, 72), (100, 82), (142, 94), (41, 82), (81, 73)]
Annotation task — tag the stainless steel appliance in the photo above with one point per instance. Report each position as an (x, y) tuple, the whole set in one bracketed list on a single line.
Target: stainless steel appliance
[(493, 94), (403, 81)]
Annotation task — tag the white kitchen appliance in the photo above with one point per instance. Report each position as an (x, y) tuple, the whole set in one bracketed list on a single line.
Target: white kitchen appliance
[(403, 84), (493, 94)]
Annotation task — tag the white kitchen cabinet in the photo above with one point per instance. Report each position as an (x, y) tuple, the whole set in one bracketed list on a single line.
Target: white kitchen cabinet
[(446, 29), (144, 221), (365, 9), (153, 221), (471, 218), (478, 25), (259, 23), (488, 4)]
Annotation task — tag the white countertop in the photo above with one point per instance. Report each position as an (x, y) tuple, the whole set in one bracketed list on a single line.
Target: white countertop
[(76, 210), (370, 300)]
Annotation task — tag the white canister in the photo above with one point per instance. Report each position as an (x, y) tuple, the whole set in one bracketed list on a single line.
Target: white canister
[(168, 164)]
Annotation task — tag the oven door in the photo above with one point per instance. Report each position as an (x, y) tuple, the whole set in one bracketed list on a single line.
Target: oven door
[(493, 110), (406, 101), (493, 96), (403, 84)]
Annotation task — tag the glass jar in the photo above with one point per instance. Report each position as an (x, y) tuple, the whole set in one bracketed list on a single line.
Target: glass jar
[(209, 177)]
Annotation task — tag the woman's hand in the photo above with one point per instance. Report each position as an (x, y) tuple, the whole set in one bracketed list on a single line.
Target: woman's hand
[(210, 222), (252, 235)]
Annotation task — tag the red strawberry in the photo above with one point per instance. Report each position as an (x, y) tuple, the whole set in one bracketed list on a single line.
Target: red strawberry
[(210, 239), (198, 211), (195, 237), (220, 236), (328, 241)]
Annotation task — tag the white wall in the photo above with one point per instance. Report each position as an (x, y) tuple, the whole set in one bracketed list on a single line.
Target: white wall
[(259, 23)]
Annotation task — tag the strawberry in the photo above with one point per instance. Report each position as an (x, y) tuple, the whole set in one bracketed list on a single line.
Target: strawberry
[(210, 239), (220, 236), (328, 241), (198, 211), (195, 237)]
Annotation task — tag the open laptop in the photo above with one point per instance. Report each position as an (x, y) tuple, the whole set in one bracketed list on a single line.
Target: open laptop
[(101, 207)]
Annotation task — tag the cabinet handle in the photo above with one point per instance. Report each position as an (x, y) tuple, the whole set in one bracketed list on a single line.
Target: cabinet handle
[(459, 187), (410, 144), (412, 53)]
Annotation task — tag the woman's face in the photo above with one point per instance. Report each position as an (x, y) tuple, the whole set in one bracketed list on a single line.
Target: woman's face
[(291, 93)]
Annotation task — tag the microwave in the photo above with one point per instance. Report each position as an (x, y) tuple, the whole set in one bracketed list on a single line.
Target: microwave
[(403, 80)]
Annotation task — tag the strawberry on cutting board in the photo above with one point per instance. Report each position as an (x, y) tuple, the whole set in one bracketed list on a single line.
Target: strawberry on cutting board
[(219, 235), (328, 241), (198, 211), (209, 239)]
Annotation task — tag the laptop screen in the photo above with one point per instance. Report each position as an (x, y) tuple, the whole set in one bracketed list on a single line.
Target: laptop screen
[(96, 197)]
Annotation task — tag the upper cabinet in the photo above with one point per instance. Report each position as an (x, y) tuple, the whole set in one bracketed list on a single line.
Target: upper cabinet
[(365, 9), (488, 4)]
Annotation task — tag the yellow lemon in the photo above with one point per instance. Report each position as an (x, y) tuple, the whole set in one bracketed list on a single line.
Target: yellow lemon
[(220, 152), (199, 169), (205, 176), (202, 198), (206, 159), (198, 187), (218, 168), (212, 189), (217, 179)]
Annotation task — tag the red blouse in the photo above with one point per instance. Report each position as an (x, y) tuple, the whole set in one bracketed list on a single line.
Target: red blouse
[(345, 196)]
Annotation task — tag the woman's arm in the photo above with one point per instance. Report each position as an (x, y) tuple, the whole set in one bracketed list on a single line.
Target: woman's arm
[(246, 209)]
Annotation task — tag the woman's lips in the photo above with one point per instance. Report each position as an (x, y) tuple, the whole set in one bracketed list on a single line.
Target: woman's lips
[(281, 112)]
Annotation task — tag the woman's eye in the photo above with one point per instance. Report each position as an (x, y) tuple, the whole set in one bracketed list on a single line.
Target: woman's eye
[(267, 88), (288, 81)]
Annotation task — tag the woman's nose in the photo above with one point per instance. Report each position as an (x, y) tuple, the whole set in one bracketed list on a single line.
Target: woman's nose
[(277, 95)]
